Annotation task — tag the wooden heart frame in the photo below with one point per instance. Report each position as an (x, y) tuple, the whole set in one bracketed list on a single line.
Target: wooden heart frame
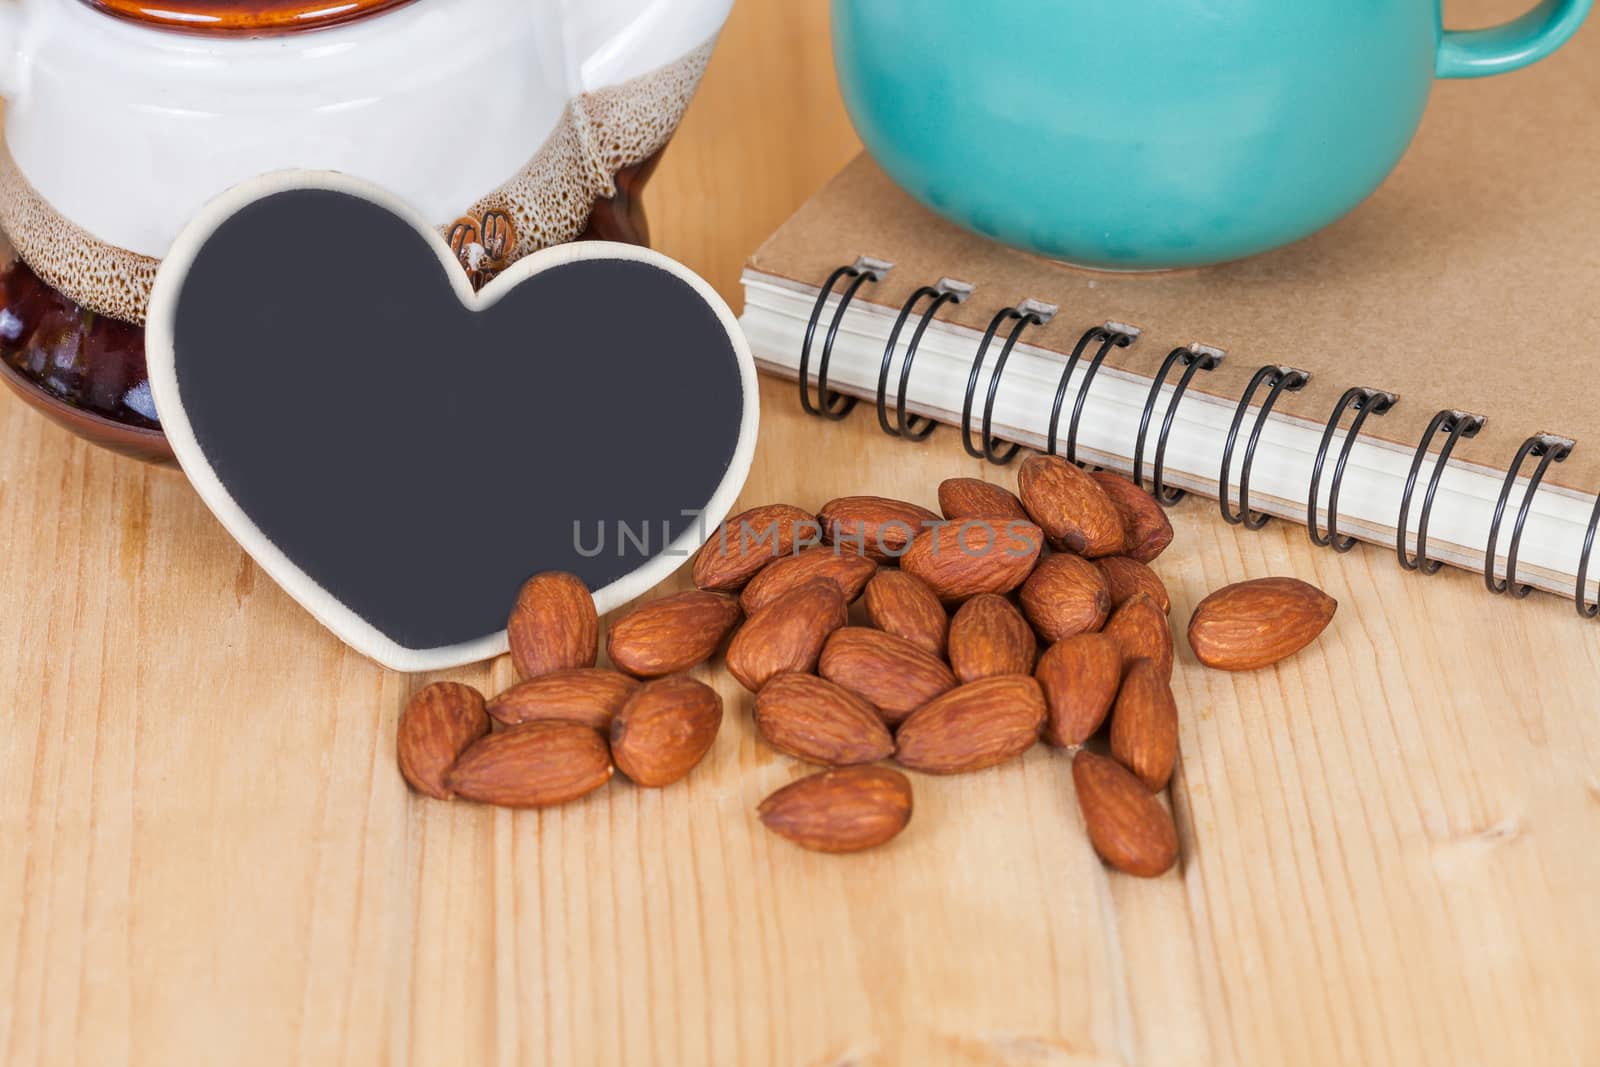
[(325, 607)]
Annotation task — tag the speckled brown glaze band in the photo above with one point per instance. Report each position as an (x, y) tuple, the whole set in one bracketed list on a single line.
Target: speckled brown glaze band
[(102, 277), (549, 199)]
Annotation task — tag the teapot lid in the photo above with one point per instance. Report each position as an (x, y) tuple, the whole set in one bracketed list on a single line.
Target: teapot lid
[(243, 18)]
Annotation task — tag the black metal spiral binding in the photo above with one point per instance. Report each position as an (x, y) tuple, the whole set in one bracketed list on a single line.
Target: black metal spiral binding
[(1365, 402), (1027, 313), (1195, 358), (1548, 448), (1457, 424), (1580, 598), (1282, 380), (1111, 335), (834, 405), (946, 291)]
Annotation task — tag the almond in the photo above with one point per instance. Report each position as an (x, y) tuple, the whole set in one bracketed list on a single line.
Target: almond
[(989, 636), (974, 556), (875, 526), (813, 719), (1064, 596), (590, 695), (787, 634), (972, 498), (749, 541), (1144, 725), (1141, 630), (1126, 576), (845, 810), (1079, 677), (1257, 623), (553, 626), (532, 766), (1127, 824), (894, 675), (973, 727), (904, 605), (1144, 521), (664, 729), (437, 725), (849, 570), (1070, 507), (671, 634)]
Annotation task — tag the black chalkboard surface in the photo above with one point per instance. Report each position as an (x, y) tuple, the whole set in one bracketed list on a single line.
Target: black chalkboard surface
[(401, 453)]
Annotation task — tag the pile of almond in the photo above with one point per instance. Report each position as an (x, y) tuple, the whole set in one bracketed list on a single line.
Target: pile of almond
[(1010, 617), (563, 730)]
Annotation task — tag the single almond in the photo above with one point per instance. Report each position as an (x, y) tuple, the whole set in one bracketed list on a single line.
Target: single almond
[(1079, 677), (989, 636), (1064, 596), (848, 570), (553, 626), (749, 541), (787, 634), (973, 498), (1070, 507), (904, 605), (1144, 520), (1144, 725), (972, 727), (1140, 628), (536, 765), (875, 526), (1127, 824), (671, 634), (1126, 576), (439, 722), (815, 720), (664, 729), (963, 559), (1257, 623), (894, 675), (590, 695), (844, 810)]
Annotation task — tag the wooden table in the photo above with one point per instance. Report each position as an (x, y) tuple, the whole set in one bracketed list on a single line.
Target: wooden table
[(207, 855)]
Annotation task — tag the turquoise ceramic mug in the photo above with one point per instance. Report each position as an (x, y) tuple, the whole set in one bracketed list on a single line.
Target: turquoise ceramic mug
[(1152, 134)]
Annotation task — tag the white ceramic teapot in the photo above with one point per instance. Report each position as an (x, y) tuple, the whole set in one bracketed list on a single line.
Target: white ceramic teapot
[(505, 121)]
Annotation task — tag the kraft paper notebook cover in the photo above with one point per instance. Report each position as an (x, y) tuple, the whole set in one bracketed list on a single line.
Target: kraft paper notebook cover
[(1470, 281)]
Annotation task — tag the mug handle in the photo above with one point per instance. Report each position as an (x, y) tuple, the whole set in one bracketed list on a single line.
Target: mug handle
[(1510, 45)]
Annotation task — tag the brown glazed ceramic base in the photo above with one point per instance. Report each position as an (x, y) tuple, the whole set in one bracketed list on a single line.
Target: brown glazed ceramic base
[(86, 372), (82, 370)]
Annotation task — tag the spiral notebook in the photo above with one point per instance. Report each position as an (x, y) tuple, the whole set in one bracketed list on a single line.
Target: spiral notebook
[(1423, 375)]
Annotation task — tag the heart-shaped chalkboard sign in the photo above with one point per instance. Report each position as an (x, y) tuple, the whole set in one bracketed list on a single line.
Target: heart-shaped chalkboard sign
[(400, 452)]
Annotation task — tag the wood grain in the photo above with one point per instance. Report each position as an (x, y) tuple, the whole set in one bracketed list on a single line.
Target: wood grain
[(209, 856)]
